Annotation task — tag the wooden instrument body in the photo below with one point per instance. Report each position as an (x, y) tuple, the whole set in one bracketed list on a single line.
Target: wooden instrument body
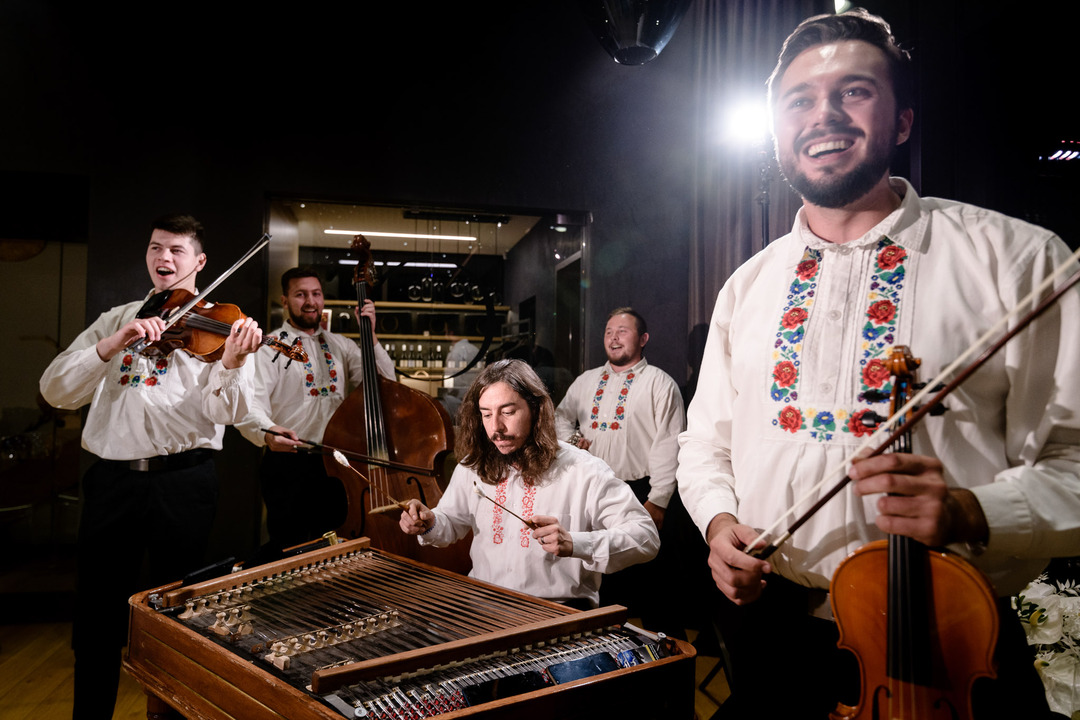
[(418, 432), (198, 677), (959, 633)]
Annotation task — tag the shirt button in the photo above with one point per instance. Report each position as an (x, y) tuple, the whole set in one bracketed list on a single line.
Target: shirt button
[(834, 314), (826, 388)]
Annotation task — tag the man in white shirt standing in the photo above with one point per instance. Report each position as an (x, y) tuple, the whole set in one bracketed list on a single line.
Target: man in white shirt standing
[(154, 423), (562, 520), (795, 366), (296, 403), (629, 414)]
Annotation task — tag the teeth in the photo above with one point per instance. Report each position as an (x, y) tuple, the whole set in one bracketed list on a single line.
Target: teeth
[(825, 147)]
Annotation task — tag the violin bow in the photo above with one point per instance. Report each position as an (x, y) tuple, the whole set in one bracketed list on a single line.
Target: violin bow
[(140, 344), (367, 459), (916, 401)]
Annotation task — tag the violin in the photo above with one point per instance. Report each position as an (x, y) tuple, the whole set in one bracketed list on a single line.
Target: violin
[(923, 622), (202, 329)]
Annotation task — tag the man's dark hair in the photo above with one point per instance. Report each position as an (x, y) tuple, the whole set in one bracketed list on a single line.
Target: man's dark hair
[(855, 24), (639, 320), (295, 273), (178, 224), (475, 450)]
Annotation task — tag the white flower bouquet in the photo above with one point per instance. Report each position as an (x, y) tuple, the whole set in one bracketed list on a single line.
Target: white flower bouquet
[(1050, 613)]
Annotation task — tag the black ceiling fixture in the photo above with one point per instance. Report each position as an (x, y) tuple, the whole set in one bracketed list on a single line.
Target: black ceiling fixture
[(633, 31)]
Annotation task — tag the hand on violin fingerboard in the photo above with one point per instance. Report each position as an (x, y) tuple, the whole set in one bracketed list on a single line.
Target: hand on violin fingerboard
[(245, 337), (149, 328), (916, 502)]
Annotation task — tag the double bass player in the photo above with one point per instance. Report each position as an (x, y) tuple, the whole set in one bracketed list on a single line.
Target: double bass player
[(796, 345), (294, 405)]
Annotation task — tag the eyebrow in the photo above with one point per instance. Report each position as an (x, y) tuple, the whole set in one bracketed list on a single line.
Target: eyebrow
[(500, 407), (853, 77)]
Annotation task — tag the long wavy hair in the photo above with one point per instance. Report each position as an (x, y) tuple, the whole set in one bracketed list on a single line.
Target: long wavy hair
[(476, 451)]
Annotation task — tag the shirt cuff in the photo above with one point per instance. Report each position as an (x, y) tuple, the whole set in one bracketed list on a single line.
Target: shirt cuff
[(584, 544), (1008, 517)]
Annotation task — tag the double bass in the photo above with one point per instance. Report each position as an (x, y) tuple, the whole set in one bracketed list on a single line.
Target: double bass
[(398, 442)]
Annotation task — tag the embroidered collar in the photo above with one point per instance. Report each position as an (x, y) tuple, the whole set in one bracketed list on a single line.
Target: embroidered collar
[(319, 337), (907, 226)]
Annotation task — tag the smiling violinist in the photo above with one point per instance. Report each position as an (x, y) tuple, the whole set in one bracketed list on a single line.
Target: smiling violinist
[(153, 423), (799, 338)]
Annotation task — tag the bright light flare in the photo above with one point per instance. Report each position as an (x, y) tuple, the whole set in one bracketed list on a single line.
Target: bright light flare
[(747, 123)]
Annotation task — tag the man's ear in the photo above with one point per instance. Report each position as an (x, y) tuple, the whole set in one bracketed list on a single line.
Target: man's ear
[(904, 122)]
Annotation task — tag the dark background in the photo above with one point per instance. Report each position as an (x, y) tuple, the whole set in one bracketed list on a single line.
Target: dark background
[(113, 117)]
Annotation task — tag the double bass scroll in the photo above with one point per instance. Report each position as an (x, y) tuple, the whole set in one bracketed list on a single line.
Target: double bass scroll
[(387, 421)]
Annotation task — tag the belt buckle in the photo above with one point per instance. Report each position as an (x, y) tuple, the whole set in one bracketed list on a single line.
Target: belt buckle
[(140, 465)]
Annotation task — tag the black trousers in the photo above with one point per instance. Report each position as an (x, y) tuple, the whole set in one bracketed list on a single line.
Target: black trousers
[(137, 530), (785, 663), (302, 501), (653, 591)]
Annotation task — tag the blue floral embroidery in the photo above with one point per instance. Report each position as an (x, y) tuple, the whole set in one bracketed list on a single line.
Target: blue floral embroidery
[(878, 333), (132, 380), (331, 368), (620, 409)]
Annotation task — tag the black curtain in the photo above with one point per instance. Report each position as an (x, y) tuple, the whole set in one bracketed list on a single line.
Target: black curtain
[(737, 42)]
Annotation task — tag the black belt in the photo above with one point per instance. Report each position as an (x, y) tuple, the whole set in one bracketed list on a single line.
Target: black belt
[(176, 461)]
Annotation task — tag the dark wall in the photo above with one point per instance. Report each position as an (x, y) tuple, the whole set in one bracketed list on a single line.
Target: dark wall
[(511, 105)]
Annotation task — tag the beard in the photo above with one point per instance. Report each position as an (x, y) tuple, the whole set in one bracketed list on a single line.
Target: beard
[(842, 189), (302, 323)]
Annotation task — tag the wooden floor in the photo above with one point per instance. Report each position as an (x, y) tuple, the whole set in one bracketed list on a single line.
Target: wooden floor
[(36, 677)]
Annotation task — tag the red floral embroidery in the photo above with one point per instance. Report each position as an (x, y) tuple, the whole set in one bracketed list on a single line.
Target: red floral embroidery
[(881, 312), (124, 379), (151, 381), (876, 373), (891, 256), (614, 426), (595, 425), (856, 426), (794, 317), (791, 419), (806, 269), (785, 373)]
